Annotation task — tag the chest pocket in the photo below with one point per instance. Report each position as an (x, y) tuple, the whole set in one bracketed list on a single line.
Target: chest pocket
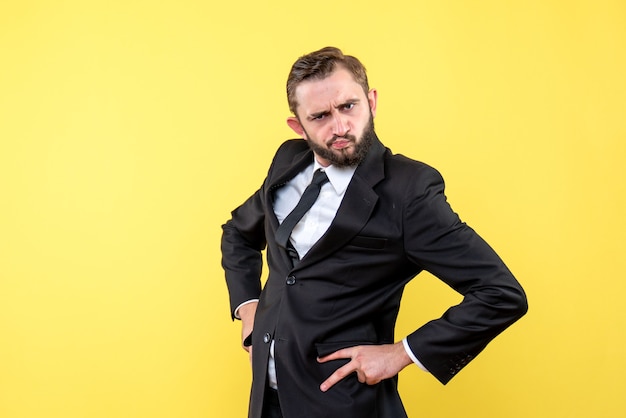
[(373, 243)]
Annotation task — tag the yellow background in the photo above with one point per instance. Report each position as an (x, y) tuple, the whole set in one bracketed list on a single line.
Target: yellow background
[(130, 129)]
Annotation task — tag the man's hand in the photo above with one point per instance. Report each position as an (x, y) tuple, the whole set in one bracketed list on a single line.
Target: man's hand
[(372, 363), (246, 313)]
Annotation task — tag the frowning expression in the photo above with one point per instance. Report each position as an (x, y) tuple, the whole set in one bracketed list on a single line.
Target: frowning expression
[(335, 116)]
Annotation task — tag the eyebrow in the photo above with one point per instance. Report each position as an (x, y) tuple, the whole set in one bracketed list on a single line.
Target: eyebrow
[(326, 112)]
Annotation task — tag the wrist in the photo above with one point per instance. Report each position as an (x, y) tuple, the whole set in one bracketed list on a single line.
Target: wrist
[(246, 312), (403, 357)]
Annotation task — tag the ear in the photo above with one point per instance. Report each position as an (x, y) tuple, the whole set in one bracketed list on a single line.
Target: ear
[(372, 98), (296, 126)]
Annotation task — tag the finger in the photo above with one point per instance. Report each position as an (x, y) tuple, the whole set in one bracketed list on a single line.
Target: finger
[(361, 376), (338, 375), (339, 354)]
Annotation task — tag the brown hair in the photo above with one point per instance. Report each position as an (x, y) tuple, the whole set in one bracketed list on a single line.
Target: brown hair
[(319, 65)]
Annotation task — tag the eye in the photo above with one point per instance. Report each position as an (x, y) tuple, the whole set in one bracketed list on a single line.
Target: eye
[(348, 106), (318, 116)]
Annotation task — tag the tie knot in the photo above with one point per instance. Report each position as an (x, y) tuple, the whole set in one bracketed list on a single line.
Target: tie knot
[(319, 177)]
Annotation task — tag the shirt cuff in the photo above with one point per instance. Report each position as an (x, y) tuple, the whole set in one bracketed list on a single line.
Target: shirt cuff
[(405, 343), (236, 314)]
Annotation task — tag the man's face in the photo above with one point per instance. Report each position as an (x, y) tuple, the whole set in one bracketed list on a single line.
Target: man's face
[(335, 116)]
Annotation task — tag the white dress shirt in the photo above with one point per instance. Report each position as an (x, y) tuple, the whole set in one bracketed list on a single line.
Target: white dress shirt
[(317, 220)]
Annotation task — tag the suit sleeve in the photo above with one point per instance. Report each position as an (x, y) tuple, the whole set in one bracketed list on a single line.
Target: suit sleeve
[(243, 239), (440, 243)]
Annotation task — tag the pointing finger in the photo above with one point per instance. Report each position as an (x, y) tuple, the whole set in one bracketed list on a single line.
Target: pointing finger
[(339, 374)]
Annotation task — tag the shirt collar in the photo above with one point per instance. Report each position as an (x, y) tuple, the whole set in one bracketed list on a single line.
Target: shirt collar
[(338, 177)]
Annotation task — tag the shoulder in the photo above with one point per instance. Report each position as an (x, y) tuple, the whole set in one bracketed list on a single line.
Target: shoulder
[(289, 151), (421, 189), (411, 172), (292, 147), (293, 154)]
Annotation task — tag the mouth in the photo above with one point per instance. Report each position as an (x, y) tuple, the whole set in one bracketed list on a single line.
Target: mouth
[(340, 143)]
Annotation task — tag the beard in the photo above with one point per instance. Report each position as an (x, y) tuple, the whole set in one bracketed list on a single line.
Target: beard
[(343, 157)]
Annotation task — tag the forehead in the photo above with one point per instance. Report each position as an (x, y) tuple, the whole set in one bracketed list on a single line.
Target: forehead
[(338, 87)]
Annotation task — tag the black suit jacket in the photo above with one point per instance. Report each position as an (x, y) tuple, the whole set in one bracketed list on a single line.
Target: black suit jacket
[(393, 222)]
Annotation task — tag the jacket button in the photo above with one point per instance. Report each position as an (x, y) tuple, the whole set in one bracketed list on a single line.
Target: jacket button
[(291, 280), (267, 337)]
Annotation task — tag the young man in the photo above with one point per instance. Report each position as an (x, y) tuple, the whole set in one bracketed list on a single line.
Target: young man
[(321, 331)]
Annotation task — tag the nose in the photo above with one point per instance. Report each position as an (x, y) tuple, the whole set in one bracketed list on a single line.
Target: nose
[(340, 125)]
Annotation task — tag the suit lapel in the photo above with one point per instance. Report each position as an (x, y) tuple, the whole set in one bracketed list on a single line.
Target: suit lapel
[(286, 169)]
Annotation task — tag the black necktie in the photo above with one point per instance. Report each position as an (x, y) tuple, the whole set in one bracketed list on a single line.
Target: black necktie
[(306, 201)]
